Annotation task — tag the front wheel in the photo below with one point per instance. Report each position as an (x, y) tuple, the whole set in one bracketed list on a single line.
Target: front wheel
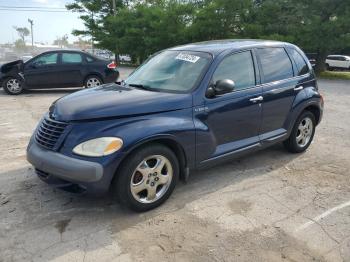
[(147, 178), (13, 86), (302, 133)]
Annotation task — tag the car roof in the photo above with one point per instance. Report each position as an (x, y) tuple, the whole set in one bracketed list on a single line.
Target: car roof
[(217, 46), (338, 56), (64, 50)]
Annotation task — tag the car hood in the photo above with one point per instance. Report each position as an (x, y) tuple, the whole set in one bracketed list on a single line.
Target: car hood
[(15, 66), (115, 101)]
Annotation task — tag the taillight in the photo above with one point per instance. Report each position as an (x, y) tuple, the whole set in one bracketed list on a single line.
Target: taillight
[(112, 65)]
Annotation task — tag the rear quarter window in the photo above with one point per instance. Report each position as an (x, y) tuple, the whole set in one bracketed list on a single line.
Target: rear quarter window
[(275, 64), (302, 67), (90, 59)]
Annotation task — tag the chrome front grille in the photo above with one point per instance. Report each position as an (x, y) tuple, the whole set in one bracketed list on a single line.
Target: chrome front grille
[(49, 133)]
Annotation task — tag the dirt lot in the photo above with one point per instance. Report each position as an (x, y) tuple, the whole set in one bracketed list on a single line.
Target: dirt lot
[(269, 206)]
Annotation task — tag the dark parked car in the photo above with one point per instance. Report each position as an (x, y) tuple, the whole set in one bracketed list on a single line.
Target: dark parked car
[(57, 69), (185, 108)]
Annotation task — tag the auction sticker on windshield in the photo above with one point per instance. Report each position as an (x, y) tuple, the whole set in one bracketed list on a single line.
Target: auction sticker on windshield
[(187, 57)]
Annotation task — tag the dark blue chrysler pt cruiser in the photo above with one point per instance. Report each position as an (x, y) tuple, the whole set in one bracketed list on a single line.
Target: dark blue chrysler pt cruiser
[(185, 108)]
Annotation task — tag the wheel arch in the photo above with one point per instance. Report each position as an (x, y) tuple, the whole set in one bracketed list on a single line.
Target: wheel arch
[(93, 74), (165, 140), (315, 110)]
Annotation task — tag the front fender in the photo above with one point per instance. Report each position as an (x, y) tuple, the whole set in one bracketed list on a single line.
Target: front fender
[(176, 126)]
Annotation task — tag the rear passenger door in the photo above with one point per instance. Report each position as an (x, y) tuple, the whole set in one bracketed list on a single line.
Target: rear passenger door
[(343, 63), (70, 69), (279, 90)]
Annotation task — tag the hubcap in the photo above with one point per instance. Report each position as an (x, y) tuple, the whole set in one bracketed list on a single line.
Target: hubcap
[(92, 82), (14, 86), (151, 179), (304, 132)]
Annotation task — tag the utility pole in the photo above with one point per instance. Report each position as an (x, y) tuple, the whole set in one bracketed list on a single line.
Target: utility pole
[(31, 31)]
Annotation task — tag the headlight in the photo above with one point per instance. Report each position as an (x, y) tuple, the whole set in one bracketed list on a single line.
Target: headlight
[(102, 146)]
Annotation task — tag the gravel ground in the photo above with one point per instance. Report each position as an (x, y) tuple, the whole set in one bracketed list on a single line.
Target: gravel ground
[(269, 206)]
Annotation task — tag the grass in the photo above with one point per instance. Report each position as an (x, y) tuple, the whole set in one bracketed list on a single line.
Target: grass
[(334, 75)]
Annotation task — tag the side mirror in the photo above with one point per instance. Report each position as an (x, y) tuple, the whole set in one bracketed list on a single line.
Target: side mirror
[(221, 87), (33, 65)]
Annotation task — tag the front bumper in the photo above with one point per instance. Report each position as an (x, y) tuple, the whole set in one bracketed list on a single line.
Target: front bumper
[(66, 171), (63, 167)]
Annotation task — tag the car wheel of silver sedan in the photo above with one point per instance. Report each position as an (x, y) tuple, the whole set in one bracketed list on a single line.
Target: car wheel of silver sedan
[(92, 81), (147, 177), (13, 86)]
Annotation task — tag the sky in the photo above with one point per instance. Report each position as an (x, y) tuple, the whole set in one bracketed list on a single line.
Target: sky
[(47, 25)]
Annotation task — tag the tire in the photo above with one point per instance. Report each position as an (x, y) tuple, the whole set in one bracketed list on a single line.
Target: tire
[(140, 185), (92, 81), (328, 67), (302, 133), (13, 86)]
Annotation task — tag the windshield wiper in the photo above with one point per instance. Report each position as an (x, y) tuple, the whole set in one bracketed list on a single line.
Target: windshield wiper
[(140, 86)]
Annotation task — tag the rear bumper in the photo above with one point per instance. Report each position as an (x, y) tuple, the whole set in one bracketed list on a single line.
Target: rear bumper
[(63, 171)]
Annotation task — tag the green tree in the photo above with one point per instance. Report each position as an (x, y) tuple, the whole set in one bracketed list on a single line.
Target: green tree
[(219, 19), (320, 26), (141, 27), (94, 14), (22, 32)]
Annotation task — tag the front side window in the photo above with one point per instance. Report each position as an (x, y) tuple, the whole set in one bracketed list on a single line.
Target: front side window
[(238, 67), (174, 71), (71, 58), (299, 60), (275, 63), (47, 59)]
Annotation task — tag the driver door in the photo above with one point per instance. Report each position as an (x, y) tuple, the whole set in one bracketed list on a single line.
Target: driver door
[(41, 72), (233, 119)]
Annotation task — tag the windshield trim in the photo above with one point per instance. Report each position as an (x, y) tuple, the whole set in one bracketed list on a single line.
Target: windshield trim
[(195, 85)]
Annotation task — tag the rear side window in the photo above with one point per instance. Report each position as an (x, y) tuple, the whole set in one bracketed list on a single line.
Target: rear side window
[(276, 64), (71, 58), (237, 67), (299, 60)]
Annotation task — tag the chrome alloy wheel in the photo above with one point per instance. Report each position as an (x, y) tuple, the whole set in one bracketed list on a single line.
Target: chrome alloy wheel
[(304, 132), (151, 179), (14, 86), (93, 82)]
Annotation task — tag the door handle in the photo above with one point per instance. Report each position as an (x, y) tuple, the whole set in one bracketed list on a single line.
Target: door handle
[(256, 99), (298, 88)]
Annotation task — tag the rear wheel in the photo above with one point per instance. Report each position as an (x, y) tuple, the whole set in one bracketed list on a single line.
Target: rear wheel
[(92, 81), (13, 86), (147, 178), (302, 133)]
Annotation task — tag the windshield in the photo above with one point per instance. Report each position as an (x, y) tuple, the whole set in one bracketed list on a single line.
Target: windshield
[(176, 71)]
